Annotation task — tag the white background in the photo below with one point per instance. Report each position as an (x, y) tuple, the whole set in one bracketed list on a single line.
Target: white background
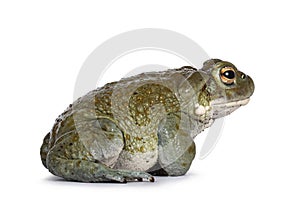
[(43, 45)]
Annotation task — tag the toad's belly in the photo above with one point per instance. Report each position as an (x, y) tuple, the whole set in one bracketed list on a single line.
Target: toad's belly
[(139, 161)]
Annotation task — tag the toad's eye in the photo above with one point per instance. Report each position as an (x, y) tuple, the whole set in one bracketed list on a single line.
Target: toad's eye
[(227, 75)]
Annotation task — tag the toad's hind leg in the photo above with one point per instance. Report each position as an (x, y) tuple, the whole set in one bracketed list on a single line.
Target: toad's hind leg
[(71, 159)]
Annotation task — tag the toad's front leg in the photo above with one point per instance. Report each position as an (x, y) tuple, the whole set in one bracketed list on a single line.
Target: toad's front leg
[(176, 146)]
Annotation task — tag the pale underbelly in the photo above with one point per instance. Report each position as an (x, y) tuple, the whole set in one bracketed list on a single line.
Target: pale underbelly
[(137, 161)]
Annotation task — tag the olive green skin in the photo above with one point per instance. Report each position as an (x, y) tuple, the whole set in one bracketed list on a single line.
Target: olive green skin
[(141, 126)]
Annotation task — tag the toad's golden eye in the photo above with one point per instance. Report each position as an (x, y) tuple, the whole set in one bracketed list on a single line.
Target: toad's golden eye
[(227, 75)]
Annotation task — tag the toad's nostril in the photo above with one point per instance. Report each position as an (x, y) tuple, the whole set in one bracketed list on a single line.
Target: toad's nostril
[(243, 76)]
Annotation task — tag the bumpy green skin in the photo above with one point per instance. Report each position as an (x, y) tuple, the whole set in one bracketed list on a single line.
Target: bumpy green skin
[(140, 126)]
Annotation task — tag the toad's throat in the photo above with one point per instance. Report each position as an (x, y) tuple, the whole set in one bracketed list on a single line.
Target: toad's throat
[(216, 110)]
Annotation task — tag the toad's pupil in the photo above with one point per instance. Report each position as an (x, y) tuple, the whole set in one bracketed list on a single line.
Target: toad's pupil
[(229, 74)]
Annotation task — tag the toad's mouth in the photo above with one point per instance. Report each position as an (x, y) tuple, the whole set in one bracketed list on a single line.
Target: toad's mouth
[(233, 103)]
